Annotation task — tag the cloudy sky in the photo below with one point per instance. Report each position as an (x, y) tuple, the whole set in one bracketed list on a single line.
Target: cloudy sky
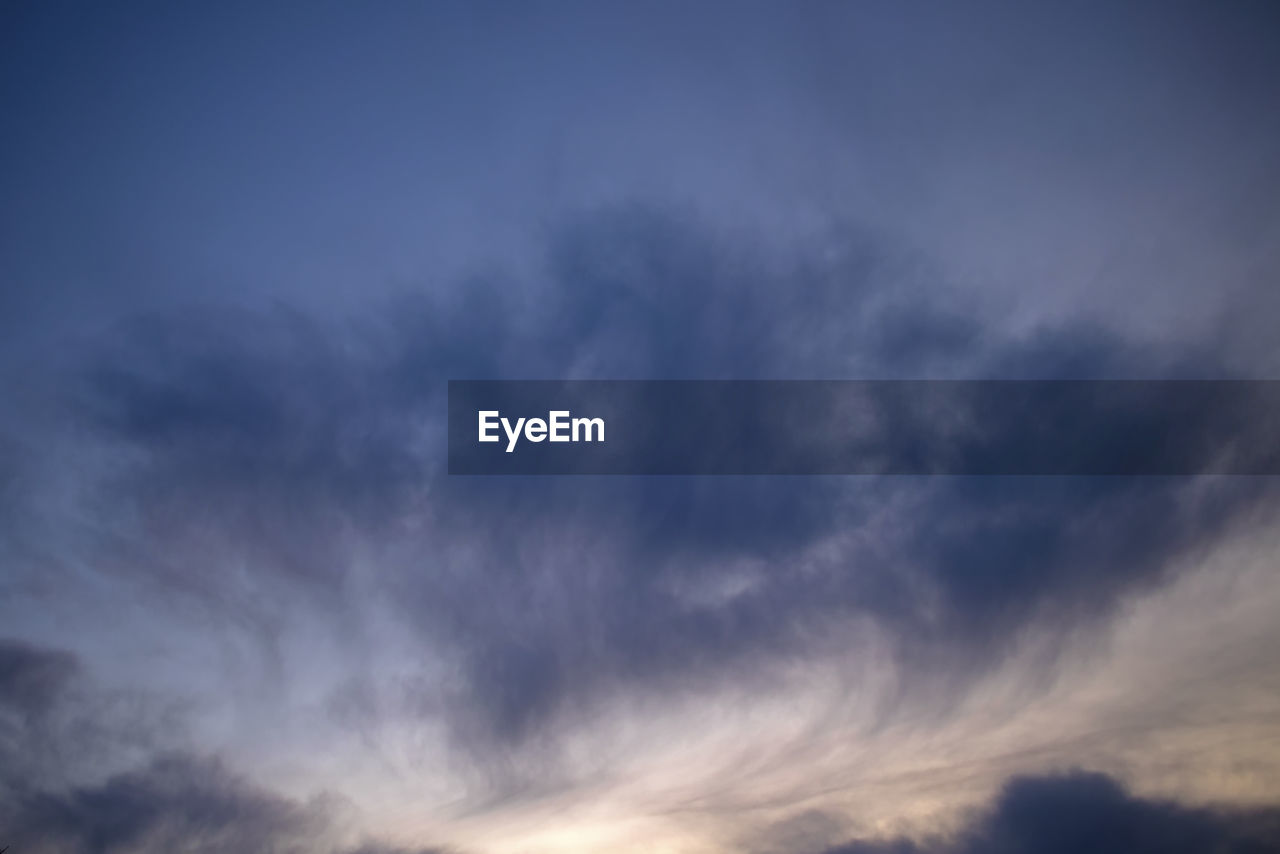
[(244, 608)]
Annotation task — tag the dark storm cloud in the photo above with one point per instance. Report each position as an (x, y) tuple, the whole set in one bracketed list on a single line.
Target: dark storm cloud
[(260, 432), (52, 722), (33, 682), (50, 716), (58, 725), (32, 679), (1091, 812), (176, 802), (278, 433), (254, 401)]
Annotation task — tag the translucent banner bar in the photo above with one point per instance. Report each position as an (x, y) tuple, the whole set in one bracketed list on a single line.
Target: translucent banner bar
[(864, 427)]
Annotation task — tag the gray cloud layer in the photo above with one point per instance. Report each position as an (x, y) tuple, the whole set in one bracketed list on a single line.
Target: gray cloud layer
[(1091, 812), (242, 252), (267, 438)]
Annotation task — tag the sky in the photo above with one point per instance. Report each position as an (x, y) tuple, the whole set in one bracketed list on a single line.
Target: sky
[(243, 606)]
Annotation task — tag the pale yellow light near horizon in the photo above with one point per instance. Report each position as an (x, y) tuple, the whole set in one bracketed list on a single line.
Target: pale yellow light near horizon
[(1190, 715)]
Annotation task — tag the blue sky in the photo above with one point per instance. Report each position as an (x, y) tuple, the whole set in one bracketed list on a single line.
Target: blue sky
[(243, 248)]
